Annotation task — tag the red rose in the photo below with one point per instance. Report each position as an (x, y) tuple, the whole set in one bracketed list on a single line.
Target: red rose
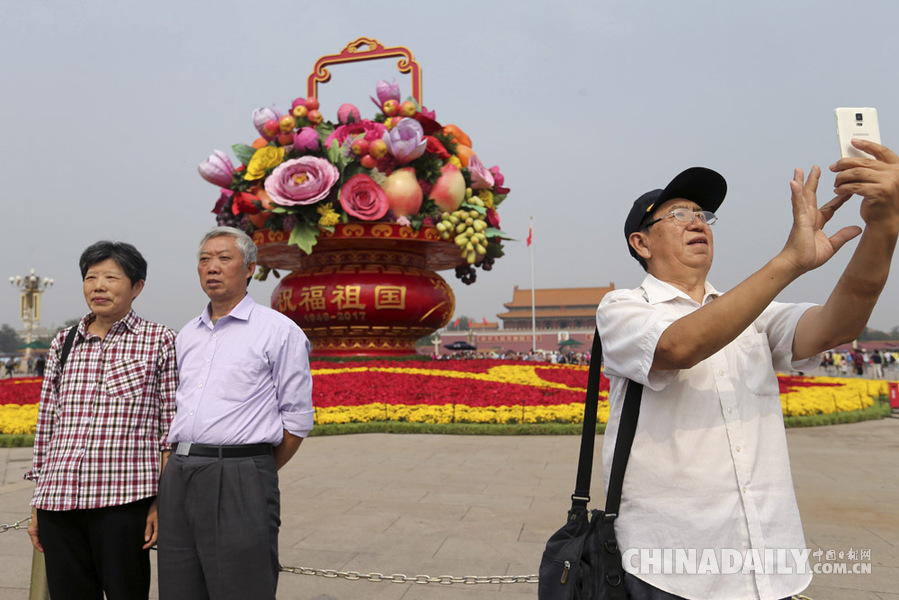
[(435, 147), (364, 199), (245, 203)]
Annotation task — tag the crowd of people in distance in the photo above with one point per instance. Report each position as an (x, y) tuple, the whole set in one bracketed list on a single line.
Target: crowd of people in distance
[(875, 364), (545, 356)]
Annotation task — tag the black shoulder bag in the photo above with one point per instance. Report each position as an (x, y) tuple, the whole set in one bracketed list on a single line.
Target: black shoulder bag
[(582, 560)]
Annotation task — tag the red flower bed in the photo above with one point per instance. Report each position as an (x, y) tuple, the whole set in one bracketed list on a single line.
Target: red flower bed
[(357, 389), (20, 390), (792, 384)]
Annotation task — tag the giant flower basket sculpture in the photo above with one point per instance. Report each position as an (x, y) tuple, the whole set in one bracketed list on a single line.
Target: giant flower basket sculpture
[(363, 212)]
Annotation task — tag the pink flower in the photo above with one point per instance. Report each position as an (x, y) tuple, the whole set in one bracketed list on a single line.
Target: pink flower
[(262, 115), (217, 169), (481, 178), (346, 112), (406, 141), (304, 180), (498, 181), (368, 129), (498, 178), (363, 198), (386, 91), (306, 140)]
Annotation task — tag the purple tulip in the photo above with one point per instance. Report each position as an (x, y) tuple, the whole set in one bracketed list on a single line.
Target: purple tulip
[(406, 141), (217, 169), (263, 115), (386, 91), (306, 140)]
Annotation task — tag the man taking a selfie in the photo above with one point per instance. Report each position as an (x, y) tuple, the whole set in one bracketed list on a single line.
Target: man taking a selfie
[(709, 470)]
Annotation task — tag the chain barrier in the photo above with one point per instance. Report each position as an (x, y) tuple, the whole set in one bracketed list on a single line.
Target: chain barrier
[(418, 579), (354, 576), (376, 577), (23, 524)]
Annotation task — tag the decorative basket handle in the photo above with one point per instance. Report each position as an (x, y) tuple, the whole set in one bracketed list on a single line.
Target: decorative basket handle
[(365, 49)]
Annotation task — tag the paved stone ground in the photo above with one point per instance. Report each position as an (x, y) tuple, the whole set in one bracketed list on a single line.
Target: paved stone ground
[(462, 505)]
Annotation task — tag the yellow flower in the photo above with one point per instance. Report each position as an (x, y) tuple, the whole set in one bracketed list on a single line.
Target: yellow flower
[(329, 218), (18, 419), (487, 197), (264, 158), (455, 161)]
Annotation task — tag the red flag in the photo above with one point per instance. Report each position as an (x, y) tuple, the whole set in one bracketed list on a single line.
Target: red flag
[(456, 324), (530, 234), (485, 321), (469, 323)]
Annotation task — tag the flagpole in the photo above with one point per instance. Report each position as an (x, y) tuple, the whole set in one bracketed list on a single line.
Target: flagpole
[(533, 291)]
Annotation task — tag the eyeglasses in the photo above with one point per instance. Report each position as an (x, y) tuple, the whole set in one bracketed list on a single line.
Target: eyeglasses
[(686, 215)]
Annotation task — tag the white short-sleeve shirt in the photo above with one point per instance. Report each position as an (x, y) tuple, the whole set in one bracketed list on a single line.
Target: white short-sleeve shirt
[(709, 470)]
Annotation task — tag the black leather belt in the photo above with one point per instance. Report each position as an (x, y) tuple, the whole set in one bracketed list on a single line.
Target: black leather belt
[(188, 449)]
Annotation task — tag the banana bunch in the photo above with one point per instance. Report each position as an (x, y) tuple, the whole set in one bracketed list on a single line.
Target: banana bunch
[(466, 228)]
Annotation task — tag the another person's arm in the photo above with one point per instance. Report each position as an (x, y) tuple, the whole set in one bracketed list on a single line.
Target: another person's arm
[(167, 367), (293, 380), (44, 431), (287, 448)]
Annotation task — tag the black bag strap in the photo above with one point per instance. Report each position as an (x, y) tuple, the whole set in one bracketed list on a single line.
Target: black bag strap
[(627, 427), (67, 347)]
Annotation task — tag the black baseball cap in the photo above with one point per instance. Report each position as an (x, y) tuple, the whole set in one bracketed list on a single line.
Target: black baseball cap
[(703, 186)]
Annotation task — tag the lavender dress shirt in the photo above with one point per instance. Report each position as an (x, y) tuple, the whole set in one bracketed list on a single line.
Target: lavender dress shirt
[(243, 380)]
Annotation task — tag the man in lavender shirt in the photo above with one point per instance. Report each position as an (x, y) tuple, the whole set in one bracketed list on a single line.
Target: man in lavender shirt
[(244, 405)]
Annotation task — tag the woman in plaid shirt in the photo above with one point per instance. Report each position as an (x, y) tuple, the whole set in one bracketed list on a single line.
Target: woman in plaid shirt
[(101, 439)]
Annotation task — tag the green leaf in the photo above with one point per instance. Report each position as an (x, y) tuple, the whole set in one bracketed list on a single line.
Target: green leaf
[(493, 232), (498, 199), (334, 152), (305, 236), (243, 153), (480, 209)]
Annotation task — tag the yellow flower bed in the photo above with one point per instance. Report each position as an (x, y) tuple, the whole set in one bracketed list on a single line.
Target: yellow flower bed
[(491, 393), (18, 418)]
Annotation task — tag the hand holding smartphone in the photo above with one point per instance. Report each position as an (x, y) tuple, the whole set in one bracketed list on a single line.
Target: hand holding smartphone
[(858, 123)]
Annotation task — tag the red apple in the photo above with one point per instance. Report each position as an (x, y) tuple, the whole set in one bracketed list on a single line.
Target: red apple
[(271, 128), (312, 103), (391, 108), (285, 139), (404, 195), (360, 146), (377, 148), (314, 116), (287, 123), (368, 161), (408, 109)]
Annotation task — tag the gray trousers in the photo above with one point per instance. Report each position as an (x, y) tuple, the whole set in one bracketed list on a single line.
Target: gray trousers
[(218, 528)]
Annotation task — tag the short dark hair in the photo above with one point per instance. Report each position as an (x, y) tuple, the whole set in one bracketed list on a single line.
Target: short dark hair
[(125, 255)]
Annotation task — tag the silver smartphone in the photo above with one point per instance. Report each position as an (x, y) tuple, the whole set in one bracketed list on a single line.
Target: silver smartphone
[(858, 123)]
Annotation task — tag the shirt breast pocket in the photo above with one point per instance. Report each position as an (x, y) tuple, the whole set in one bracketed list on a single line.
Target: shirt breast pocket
[(756, 364), (240, 381), (125, 378)]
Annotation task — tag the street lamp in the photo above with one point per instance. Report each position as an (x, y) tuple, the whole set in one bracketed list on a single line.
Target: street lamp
[(30, 289)]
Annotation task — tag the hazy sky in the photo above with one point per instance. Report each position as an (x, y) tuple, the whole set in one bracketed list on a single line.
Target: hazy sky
[(107, 107)]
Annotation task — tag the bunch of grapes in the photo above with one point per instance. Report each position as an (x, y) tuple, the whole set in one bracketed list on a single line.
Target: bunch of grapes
[(467, 273), (466, 228)]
